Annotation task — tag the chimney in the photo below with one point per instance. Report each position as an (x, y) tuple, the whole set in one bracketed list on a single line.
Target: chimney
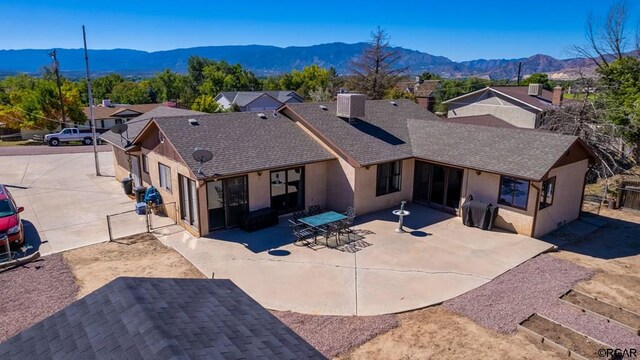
[(106, 103), (350, 106), (557, 96), (535, 89), (417, 79)]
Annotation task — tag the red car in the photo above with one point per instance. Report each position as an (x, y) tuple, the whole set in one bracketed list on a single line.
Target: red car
[(10, 223)]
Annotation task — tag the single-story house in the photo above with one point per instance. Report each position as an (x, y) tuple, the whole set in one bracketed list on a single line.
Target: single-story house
[(367, 154), (252, 101), (108, 114), (424, 90), (126, 157), (521, 106), (150, 318)]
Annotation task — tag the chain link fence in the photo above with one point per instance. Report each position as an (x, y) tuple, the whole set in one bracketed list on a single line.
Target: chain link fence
[(129, 223)]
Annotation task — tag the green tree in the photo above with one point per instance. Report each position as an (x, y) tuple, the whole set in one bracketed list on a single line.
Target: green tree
[(167, 85), (101, 87), (129, 92), (620, 84), (376, 70), (538, 78), (206, 103)]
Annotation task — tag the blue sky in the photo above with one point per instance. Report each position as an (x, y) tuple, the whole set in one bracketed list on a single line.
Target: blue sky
[(460, 30)]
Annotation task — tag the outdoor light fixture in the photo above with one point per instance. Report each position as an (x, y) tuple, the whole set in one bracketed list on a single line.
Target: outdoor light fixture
[(478, 172), (259, 173)]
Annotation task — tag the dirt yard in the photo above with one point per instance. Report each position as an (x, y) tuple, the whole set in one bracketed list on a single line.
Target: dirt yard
[(140, 255), (436, 333), (612, 252)]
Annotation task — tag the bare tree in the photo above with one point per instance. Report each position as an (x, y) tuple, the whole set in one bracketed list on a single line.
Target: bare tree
[(376, 70), (608, 38), (584, 119)]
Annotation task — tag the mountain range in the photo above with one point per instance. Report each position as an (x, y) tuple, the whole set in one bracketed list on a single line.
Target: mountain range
[(270, 60)]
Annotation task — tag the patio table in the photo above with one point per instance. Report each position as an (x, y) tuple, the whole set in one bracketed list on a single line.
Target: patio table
[(322, 219)]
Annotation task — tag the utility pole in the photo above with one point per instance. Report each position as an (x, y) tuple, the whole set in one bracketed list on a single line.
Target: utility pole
[(93, 120), (519, 72), (56, 70)]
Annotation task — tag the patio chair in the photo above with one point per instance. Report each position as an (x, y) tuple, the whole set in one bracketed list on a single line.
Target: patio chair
[(314, 210), (297, 215), (301, 231), (331, 229), (351, 215)]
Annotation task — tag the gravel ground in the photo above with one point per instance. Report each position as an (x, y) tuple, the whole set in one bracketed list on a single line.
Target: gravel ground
[(32, 292), (509, 299), (333, 335), (593, 326)]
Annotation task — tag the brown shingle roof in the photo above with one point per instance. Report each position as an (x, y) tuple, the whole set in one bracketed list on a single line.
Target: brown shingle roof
[(423, 89), (481, 120), (242, 142), (107, 112)]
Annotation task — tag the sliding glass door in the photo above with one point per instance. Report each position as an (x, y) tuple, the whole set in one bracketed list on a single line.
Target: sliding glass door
[(437, 186), (227, 202), (188, 201), (287, 190)]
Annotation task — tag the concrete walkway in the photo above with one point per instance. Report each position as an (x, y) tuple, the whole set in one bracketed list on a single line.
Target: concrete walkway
[(437, 260), (65, 203)]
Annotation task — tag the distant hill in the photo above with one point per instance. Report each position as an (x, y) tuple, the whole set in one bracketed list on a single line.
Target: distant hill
[(268, 60)]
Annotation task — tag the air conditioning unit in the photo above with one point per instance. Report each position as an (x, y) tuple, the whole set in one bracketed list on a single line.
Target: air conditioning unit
[(350, 106), (535, 89)]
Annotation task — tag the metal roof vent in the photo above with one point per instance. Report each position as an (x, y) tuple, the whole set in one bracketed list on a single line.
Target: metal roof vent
[(194, 122), (535, 89), (323, 107), (393, 103), (262, 116), (350, 106)]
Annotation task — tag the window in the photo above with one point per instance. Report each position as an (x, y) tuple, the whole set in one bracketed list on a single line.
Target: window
[(388, 179), (165, 176), (118, 121), (546, 193), (287, 190), (145, 163), (188, 200), (514, 192)]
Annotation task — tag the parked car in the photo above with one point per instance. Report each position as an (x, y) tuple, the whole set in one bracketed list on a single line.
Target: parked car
[(68, 135), (10, 222)]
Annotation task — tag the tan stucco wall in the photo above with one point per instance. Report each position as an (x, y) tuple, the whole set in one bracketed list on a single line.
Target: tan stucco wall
[(366, 200), (169, 198), (340, 185), (566, 199), (259, 191), (315, 177), (499, 106), (486, 187), (120, 163)]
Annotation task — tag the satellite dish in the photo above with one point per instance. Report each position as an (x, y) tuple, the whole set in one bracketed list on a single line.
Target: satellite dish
[(121, 129), (202, 156)]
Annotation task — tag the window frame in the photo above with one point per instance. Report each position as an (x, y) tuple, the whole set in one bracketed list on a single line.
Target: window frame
[(544, 195), (512, 205), (167, 178), (389, 178), (145, 163)]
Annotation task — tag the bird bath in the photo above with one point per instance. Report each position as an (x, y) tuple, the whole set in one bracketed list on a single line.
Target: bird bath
[(401, 213)]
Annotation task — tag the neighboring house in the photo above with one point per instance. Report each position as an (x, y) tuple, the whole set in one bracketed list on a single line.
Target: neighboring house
[(107, 114), (521, 106), (126, 165), (366, 154), (252, 101), (151, 318), (424, 91)]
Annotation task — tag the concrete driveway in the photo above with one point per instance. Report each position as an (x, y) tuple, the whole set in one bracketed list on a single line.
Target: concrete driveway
[(65, 203), (437, 260)]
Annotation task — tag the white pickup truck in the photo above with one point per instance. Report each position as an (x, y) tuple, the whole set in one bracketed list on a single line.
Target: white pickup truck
[(68, 135)]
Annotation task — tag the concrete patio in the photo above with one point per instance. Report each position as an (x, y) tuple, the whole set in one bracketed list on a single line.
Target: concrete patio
[(437, 259)]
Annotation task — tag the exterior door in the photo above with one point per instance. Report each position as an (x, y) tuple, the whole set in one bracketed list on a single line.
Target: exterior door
[(188, 201), (437, 186), (135, 170), (227, 202)]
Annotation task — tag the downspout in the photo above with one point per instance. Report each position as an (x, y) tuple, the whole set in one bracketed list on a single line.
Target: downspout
[(535, 210)]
